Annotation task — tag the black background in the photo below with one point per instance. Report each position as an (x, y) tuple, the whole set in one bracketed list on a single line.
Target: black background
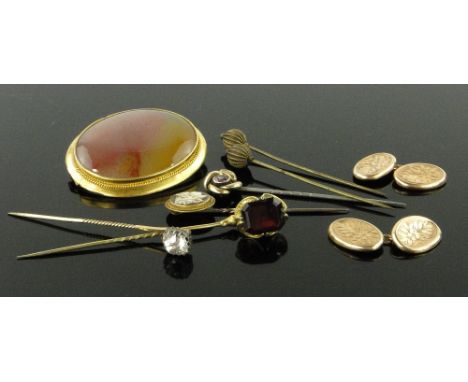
[(326, 127)]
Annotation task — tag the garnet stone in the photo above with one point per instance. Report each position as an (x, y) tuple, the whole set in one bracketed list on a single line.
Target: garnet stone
[(263, 216), (136, 143)]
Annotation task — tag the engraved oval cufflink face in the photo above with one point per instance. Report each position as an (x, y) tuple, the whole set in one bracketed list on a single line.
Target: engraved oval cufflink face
[(420, 176), (374, 166), (136, 152), (416, 234), (355, 235)]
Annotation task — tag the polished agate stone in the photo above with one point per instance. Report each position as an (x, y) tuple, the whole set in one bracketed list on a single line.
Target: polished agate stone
[(135, 143)]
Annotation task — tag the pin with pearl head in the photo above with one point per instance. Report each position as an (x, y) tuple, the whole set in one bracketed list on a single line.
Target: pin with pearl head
[(223, 182), (240, 156), (236, 136), (253, 216)]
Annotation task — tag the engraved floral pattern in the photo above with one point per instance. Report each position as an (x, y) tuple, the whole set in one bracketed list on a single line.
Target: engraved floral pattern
[(357, 232), (416, 232), (420, 173), (374, 164)]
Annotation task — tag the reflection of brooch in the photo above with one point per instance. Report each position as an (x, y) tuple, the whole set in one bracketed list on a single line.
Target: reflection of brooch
[(253, 216), (135, 152), (412, 234), (412, 176)]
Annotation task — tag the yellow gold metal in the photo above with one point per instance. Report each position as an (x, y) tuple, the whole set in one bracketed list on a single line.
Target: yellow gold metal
[(416, 234), (155, 231), (356, 235), (420, 176), (413, 176), (125, 188), (85, 221), (235, 219), (221, 189), (374, 166), (412, 234), (240, 155), (230, 183), (198, 201), (76, 247), (234, 136)]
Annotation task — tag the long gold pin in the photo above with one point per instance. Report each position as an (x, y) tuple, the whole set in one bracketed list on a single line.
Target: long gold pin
[(106, 223), (240, 155), (244, 219), (150, 232), (236, 136)]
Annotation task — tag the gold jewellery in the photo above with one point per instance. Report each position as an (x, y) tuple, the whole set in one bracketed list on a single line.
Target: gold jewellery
[(240, 156), (253, 216), (144, 151), (135, 152), (412, 234), (234, 136), (223, 182), (412, 176)]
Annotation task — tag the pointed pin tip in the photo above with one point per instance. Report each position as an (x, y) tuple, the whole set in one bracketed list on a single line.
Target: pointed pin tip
[(22, 257), (336, 210), (31, 255)]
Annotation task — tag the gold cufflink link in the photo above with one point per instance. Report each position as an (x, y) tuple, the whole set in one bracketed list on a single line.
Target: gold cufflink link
[(412, 176), (412, 234)]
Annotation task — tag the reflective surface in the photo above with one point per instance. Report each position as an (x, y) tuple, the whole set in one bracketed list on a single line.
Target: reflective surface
[(135, 143), (327, 127)]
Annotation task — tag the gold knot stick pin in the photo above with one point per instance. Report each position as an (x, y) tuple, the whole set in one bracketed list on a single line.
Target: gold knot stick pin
[(253, 216), (223, 182), (236, 136), (240, 156)]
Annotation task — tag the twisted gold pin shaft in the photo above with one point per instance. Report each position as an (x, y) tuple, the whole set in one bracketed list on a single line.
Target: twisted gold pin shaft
[(150, 232), (106, 223)]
